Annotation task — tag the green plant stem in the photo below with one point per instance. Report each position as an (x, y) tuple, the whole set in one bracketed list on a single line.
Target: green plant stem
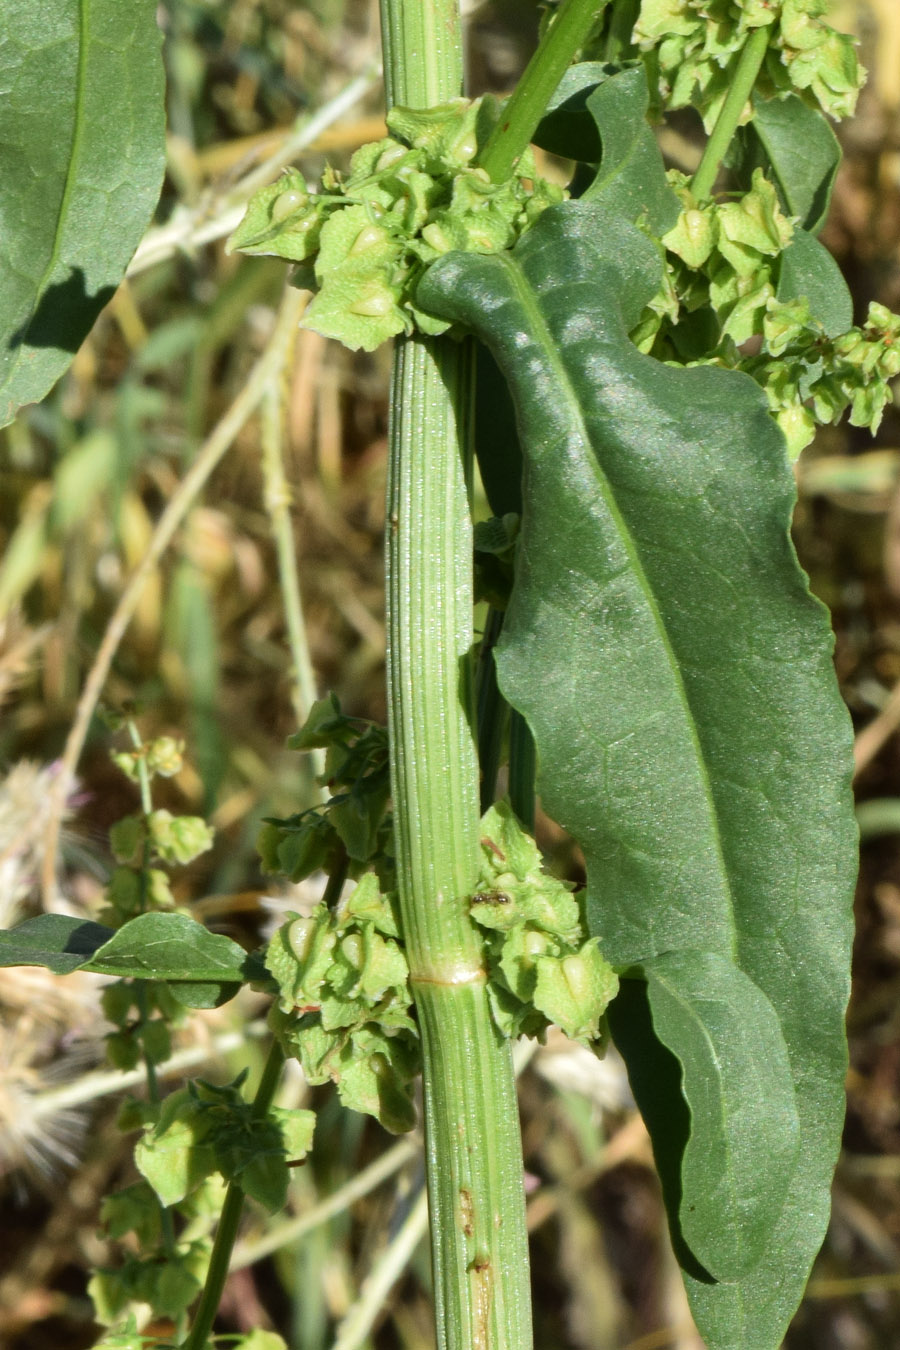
[(226, 1233), (167, 1225), (278, 498), (473, 1146), (748, 68), (621, 25), (527, 105)]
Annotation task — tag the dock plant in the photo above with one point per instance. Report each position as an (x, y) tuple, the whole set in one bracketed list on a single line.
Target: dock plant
[(633, 361)]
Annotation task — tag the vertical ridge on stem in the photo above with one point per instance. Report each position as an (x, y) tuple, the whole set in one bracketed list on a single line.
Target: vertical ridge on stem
[(434, 766), (479, 1241)]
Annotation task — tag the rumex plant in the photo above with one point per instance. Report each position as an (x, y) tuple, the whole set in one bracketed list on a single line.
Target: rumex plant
[(634, 361)]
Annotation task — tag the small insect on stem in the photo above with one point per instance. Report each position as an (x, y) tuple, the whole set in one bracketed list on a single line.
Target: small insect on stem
[(491, 898)]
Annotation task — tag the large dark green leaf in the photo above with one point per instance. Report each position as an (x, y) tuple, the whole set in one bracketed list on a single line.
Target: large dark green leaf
[(663, 646), (81, 131)]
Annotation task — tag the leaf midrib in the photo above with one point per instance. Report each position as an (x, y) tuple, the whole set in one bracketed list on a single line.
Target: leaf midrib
[(540, 333)]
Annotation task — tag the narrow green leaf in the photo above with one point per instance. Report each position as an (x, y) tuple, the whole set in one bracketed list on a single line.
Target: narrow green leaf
[(800, 152), (663, 646), (806, 268), (739, 1155), (58, 941), (81, 125)]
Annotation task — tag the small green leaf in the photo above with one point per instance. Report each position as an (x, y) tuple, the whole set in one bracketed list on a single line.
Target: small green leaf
[(808, 270), (574, 991), (297, 1128), (58, 941), (261, 1340), (282, 220), (800, 151), (82, 130), (375, 1078), (173, 1156)]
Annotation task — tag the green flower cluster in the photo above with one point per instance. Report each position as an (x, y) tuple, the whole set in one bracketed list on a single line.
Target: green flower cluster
[(691, 48), (144, 1012), (344, 1004), (207, 1129), (196, 1141), (720, 288), (721, 271), (811, 379), (542, 971), (363, 242), (150, 1276)]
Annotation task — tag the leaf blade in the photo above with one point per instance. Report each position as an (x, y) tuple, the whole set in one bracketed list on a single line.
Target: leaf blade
[(802, 153), (719, 819), (60, 942), (169, 947), (713, 1019), (83, 163)]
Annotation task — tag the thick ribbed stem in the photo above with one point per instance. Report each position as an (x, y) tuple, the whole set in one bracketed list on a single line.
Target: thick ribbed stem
[(479, 1241)]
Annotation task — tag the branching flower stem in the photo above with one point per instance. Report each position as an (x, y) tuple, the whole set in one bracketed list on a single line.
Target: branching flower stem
[(208, 456), (226, 1233), (278, 498), (473, 1144), (745, 77), (546, 68)]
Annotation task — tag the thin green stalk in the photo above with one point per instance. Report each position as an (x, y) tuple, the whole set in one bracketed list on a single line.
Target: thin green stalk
[(278, 499), (745, 77), (230, 1217), (167, 1225), (621, 26), (473, 1147), (527, 105)]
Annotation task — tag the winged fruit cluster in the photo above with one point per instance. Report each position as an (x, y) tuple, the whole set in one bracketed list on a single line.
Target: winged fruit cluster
[(692, 47), (364, 242), (344, 1006), (728, 279)]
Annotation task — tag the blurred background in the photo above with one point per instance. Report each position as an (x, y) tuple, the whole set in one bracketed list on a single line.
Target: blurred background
[(93, 479)]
